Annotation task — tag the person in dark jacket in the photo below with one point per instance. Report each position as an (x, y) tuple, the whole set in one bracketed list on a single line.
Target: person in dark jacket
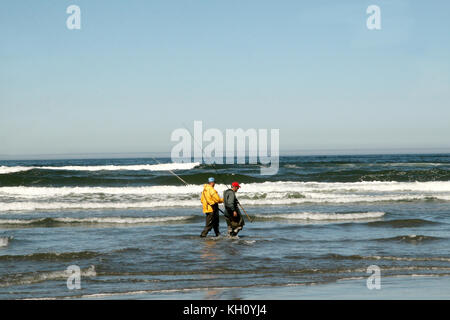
[(233, 216)]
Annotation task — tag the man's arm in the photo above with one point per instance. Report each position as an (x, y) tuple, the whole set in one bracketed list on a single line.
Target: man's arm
[(215, 196), (230, 200)]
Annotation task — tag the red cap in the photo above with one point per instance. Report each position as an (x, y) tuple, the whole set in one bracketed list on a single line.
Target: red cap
[(235, 184)]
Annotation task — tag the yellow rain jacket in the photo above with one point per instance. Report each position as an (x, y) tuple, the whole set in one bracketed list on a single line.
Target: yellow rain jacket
[(209, 198)]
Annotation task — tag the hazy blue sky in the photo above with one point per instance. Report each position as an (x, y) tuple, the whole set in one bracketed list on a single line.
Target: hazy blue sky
[(137, 70)]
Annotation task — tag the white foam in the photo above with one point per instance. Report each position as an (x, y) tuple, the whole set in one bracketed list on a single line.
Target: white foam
[(267, 193), (33, 206), (65, 191), (147, 167), (57, 205), (118, 220), (379, 186), (158, 203), (324, 216), (267, 188), (5, 170), (443, 259), (106, 220), (45, 276)]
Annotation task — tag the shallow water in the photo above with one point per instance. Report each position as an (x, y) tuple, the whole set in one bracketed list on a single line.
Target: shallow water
[(132, 227)]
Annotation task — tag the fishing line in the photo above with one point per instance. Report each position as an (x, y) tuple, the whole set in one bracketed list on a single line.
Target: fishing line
[(215, 170)]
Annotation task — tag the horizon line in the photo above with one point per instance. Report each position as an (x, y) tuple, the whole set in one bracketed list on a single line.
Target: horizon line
[(288, 152)]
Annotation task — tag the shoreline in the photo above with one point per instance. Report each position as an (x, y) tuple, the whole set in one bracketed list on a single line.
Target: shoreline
[(403, 287)]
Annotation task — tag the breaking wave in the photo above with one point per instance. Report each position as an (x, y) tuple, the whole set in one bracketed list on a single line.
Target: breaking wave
[(36, 277), (21, 198), (140, 167), (412, 238), (401, 223), (94, 220), (323, 216), (391, 258), (51, 256), (294, 188)]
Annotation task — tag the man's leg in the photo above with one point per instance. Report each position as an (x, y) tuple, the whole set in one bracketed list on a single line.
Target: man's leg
[(230, 229), (208, 225), (229, 220), (236, 231), (234, 226), (240, 224), (215, 222)]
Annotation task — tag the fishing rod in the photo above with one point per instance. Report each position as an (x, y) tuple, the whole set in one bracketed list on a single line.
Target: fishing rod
[(173, 173), (240, 205), (217, 173), (187, 184)]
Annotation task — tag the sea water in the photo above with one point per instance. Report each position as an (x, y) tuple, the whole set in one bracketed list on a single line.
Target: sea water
[(133, 228)]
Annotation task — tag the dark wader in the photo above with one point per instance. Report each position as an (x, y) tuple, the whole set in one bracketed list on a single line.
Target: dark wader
[(212, 221), (235, 224)]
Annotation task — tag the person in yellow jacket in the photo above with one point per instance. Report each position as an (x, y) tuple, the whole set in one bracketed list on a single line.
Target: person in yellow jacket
[(210, 200)]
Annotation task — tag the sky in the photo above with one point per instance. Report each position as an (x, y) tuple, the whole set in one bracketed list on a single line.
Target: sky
[(138, 70)]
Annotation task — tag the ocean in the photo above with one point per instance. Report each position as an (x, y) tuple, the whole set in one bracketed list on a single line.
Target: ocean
[(133, 228)]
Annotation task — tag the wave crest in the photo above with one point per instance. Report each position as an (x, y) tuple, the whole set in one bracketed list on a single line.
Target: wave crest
[(139, 167), (323, 216), (94, 220)]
